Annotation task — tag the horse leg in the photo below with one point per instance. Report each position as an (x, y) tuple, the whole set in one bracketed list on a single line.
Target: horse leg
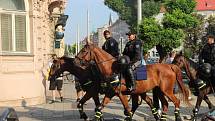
[(206, 99), (164, 103), (127, 110), (85, 98), (200, 97), (148, 100), (156, 93), (98, 115), (135, 105), (210, 105), (176, 102)]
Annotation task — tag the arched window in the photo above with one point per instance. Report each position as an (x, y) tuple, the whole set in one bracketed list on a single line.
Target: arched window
[(13, 26)]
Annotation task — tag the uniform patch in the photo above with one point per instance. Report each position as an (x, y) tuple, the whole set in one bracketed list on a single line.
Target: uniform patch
[(137, 46), (111, 44)]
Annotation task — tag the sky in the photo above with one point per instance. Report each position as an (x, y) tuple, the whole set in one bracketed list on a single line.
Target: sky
[(77, 11)]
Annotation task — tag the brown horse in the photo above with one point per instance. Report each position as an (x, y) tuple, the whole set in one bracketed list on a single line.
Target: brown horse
[(191, 69), (90, 84), (159, 75)]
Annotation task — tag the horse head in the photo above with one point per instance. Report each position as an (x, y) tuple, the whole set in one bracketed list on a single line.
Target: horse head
[(93, 54), (187, 64)]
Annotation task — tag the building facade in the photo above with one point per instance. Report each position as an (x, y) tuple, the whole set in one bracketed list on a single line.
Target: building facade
[(26, 42), (119, 30)]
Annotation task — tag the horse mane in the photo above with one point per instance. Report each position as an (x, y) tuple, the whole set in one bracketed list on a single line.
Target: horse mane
[(67, 59), (191, 63), (102, 51), (188, 64)]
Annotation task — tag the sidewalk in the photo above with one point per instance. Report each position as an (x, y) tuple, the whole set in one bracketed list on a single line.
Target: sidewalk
[(67, 111), (58, 111)]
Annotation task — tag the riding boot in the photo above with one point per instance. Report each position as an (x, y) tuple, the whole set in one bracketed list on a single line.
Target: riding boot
[(131, 79)]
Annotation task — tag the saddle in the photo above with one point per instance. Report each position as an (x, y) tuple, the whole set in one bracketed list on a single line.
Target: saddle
[(140, 72)]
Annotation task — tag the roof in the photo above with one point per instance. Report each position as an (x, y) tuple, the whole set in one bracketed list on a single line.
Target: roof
[(205, 5)]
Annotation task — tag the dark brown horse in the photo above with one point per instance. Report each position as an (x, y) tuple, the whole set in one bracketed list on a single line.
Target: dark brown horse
[(88, 83), (191, 69), (159, 75)]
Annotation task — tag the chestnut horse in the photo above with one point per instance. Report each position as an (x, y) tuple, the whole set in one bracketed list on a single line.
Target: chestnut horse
[(191, 69), (158, 75), (92, 87)]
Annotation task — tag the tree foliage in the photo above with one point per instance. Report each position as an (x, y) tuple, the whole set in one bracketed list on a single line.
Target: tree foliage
[(186, 6), (70, 49), (166, 35), (154, 34), (194, 36), (127, 9)]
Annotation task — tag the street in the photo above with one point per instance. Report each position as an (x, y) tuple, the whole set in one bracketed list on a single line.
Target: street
[(67, 110)]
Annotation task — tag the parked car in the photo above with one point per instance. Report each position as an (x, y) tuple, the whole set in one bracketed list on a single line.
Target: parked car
[(152, 60)]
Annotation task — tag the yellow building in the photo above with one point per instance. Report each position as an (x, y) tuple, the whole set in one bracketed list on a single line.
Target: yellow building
[(26, 42)]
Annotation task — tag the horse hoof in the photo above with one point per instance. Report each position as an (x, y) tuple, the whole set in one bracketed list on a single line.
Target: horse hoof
[(128, 118), (194, 119), (101, 119), (84, 116), (178, 119), (157, 117)]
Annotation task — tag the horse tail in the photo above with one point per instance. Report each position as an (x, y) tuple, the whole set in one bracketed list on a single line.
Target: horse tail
[(181, 85)]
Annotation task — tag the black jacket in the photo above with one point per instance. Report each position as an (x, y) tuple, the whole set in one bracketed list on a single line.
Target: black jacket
[(208, 54), (133, 50), (111, 47)]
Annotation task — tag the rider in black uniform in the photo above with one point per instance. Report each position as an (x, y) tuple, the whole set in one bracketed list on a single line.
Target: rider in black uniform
[(207, 59), (110, 45), (133, 51)]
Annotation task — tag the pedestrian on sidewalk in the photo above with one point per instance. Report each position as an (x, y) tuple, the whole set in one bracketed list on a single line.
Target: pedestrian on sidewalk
[(56, 83)]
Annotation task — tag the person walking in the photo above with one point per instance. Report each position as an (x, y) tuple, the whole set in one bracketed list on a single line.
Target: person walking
[(56, 83)]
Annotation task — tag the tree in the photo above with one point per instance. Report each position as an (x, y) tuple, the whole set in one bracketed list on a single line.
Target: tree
[(165, 39), (211, 25), (177, 18), (127, 9), (194, 36), (170, 34)]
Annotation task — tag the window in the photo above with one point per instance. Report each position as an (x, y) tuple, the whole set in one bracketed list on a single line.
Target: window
[(13, 26)]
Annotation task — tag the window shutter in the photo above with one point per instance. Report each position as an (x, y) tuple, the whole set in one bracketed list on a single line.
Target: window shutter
[(20, 33), (6, 32)]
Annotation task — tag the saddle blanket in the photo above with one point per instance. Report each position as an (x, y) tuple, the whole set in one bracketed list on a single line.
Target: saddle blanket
[(140, 73)]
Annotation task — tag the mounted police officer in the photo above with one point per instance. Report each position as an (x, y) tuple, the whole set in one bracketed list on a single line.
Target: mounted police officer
[(110, 45), (207, 59), (133, 51)]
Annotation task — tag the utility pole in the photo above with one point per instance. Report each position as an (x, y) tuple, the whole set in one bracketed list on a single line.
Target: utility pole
[(78, 38), (88, 26), (77, 47), (139, 14)]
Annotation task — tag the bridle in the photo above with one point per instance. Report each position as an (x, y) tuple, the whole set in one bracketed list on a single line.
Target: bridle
[(84, 62)]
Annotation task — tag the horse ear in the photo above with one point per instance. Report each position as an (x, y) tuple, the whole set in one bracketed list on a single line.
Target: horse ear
[(180, 53)]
